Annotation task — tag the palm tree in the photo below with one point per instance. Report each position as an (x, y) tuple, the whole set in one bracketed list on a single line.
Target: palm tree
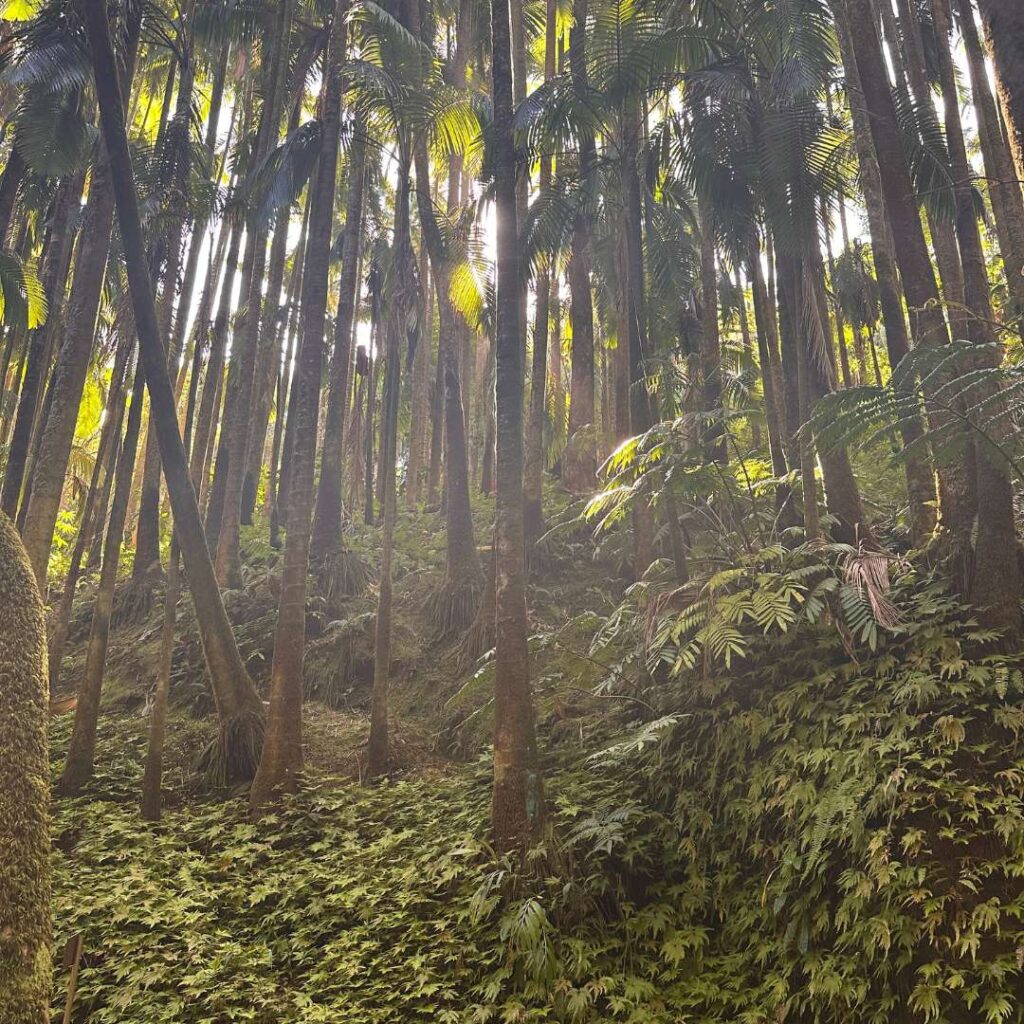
[(517, 803)]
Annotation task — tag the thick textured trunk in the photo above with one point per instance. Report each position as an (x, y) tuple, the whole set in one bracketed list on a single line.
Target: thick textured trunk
[(517, 797), (238, 705), (281, 764), (1003, 21), (327, 517), (26, 928)]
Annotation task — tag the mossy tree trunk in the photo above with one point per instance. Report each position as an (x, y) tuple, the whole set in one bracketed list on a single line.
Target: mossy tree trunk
[(25, 922)]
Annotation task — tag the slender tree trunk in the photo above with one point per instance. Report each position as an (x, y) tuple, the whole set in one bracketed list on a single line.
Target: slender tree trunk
[(327, 517), (579, 460), (82, 746), (227, 558), (70, 373), (419, 425), (239, 708), (94, 512), (768, 354), (455, 603), (400, 301), (517, 800), (10, 182), (282, 414), (281, 764), (910, 45), (710, 344)]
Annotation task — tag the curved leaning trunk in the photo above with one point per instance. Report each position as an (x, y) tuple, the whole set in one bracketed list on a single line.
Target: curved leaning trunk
[(238, 706)]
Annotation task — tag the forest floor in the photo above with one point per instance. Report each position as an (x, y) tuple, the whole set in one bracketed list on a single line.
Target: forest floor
[(786, 838)]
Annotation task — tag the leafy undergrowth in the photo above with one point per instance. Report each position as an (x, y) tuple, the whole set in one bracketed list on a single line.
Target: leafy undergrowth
[(815, 834)]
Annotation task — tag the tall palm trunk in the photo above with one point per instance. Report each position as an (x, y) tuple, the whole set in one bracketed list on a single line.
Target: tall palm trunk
[(910, 44), (517, 796), (400, 302), (239, 708), (768, 355), (419, 420), (281, 763), (326, 537), (533, 472), (268, 356), (10, 182), (579, 460), (275, 486)]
